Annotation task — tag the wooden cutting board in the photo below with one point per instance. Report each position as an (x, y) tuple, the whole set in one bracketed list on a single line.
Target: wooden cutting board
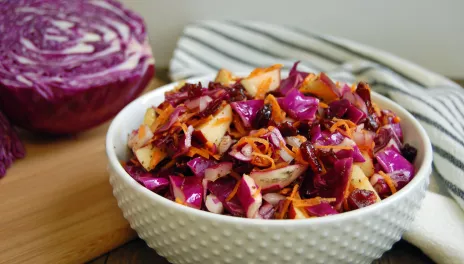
[(56, 205)]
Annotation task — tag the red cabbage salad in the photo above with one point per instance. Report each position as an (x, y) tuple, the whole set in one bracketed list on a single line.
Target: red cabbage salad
[(270, 148)]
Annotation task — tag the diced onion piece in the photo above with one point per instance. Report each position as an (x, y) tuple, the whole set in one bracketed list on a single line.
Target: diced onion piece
[(213, 204)]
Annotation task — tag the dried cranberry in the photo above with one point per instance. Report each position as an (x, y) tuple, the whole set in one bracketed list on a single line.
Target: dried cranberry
[(195, 90), (361, 198), (309, 155), (263, 117), (236, 93), (328, 158), (337, 108), (372, 123), (364, 92), (326, 124), (409, 152), (287, 129), (304, 128), (211, 109)]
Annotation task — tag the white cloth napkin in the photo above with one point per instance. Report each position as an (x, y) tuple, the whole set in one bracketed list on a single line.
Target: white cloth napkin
[(435, 101)]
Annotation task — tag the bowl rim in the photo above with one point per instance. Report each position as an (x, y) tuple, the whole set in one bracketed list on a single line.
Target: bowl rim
[(423, 172)]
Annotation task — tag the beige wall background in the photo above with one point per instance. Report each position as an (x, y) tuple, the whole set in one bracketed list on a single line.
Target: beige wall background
[(428, 32)]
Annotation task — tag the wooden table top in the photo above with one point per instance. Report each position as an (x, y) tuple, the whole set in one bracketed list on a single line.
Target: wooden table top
[(54, 221)]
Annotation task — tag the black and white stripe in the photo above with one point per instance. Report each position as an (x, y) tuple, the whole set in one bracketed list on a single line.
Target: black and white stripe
[(241, 46)]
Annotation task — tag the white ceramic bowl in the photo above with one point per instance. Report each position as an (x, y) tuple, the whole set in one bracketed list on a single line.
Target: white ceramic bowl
[(186, 235)]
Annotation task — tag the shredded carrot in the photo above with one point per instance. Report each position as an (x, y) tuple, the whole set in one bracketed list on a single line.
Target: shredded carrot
[(179, 201), (389, 181), (157, 156), (343, 123), (334, 147), (201, 121), (162, 118), (263, 87), (353, 88), (252, 141), (286, 204), (344, 133), (348, 122), (323, 105), (186, 116), (396, 120), (234, 191), (235, 134), (222, 120), (282, 145), (193, 150), (259, 71), (258, 192), (135, 161), (235, 175), (259, 132), (184, 128), (376, 108), (277, 113), (298, 157), (258, 160), (285, 191), (238, 125), (345, 205), (301, 138), (310, 202), (142, 131)]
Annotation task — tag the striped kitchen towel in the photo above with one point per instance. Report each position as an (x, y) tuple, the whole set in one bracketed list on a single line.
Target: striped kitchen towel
[(438, 103)]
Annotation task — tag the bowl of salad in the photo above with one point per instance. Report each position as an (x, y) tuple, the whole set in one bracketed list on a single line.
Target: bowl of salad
[(268, 168)]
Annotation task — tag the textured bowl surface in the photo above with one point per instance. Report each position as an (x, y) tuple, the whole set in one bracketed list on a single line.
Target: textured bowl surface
[(186, 235)]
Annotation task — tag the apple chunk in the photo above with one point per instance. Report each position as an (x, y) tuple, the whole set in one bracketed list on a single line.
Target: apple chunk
[(360, 181), (216, 128), (224, 77), (249, 196), (149, 156), (277, 179), (367, 166), (321, 87), (253, 82)]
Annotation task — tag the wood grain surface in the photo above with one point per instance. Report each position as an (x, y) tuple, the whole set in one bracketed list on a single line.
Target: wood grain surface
[(56, 206)]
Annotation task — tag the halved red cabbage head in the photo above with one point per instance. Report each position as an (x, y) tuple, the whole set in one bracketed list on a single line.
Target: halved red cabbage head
[(11, 148), (70, 65), (299, 106), (247, 110)]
